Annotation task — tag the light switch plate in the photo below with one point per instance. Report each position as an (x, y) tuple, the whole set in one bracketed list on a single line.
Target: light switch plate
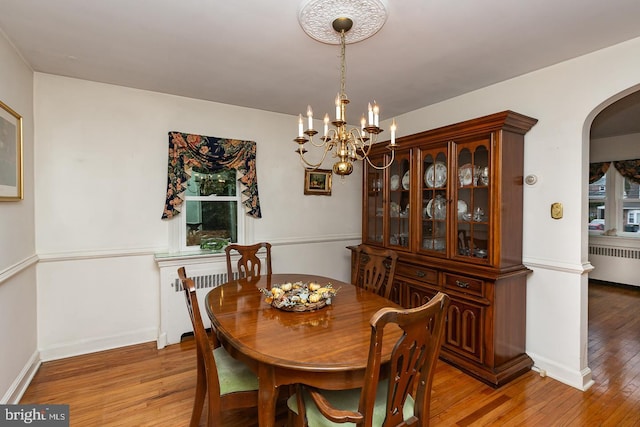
[(556, 210)]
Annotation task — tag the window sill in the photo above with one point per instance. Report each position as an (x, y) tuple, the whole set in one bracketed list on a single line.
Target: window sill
[(615, 240), (172, 258)]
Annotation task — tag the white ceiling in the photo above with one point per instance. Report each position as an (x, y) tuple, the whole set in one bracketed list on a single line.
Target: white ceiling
[(254, 53)]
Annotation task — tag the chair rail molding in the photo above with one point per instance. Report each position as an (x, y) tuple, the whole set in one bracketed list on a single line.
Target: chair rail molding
[(18, 267)]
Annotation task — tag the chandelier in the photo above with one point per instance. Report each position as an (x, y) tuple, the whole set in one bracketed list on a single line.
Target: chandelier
[(349, 144)]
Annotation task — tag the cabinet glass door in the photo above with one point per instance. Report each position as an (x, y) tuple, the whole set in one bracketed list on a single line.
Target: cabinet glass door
[(374, 208), (398, 207), (473, 201), (433, 200)]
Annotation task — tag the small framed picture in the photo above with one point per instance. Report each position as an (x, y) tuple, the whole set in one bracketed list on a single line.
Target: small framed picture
[(317, 181), (10, 154)]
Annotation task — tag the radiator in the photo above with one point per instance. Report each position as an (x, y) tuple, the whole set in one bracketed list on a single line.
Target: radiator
[(607, 251), (203, 282), (615, 264), (207, 273), (174, 317)]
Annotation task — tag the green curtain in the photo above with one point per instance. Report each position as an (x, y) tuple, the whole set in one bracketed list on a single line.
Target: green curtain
[(187, 151)]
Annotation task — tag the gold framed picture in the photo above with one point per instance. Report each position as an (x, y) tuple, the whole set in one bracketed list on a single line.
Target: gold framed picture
[(317, 182), (10, 154)]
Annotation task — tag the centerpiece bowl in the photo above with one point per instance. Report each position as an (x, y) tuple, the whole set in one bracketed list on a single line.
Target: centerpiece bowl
[(299, 296)]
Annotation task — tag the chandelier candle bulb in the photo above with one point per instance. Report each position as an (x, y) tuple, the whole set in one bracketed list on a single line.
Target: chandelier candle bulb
[(393, 132), (310, 116), (376, 114), (300, 126), (326, 124), (370, 114)]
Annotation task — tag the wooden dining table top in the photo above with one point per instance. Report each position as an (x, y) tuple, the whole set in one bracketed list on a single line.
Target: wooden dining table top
[(326, 348), (333, 339)]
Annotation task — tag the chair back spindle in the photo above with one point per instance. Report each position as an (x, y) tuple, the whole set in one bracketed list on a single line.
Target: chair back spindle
[(248, 264), (375, 269)]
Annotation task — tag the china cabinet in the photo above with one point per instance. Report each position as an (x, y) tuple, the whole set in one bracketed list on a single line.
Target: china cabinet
[(451, 206)]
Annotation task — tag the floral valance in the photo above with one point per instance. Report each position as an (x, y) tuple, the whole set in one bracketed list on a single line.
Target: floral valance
[(628, 168), (597, 171), (187, 151)]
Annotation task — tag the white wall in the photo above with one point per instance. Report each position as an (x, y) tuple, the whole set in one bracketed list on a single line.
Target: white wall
[(101, 165), (18, 351), (564, 98), (620, 147)]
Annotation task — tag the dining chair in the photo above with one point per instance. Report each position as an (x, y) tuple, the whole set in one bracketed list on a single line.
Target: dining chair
[(374, 269), (400, 395), (228, 383), (248, 265)]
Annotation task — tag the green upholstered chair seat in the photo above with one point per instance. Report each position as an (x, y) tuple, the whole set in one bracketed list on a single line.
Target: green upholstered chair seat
[(234, 375), (347, 399)]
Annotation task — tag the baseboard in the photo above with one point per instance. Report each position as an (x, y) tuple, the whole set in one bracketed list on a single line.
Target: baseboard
[(578, 379), (616, 284), (99, 344), (19, 386), (161, 341)]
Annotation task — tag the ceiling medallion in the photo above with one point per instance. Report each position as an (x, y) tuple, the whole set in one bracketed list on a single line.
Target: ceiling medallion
[(316, 18)]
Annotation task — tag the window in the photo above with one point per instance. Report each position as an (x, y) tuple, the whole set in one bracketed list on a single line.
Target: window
[(212, 209), (614, 203), (217, 201)]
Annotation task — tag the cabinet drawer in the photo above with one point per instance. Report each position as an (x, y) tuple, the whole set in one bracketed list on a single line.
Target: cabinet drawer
[(421, 274), (463, 284)]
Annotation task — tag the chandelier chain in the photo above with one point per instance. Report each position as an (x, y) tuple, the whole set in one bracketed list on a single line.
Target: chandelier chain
[(343, 65)]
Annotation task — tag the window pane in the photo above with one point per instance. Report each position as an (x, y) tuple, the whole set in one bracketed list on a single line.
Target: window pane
[(631, 189), (211, 219), (596, 209), (631, 206), (598, 189), (597, 197), (220, 183)]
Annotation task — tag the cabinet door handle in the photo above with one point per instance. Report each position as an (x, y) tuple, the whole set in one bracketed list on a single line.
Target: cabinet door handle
[(462, 284), (420, 273)]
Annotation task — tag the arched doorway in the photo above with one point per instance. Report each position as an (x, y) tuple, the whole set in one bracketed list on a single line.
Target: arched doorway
[(614, 196), (613, 240)]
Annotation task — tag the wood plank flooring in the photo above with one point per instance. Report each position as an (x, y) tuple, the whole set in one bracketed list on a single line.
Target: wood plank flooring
[(143, 386)]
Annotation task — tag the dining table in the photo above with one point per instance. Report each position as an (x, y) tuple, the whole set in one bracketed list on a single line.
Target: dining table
[(325, 348)]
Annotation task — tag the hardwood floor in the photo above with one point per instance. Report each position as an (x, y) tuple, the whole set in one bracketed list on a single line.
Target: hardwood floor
[(143, 386)]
